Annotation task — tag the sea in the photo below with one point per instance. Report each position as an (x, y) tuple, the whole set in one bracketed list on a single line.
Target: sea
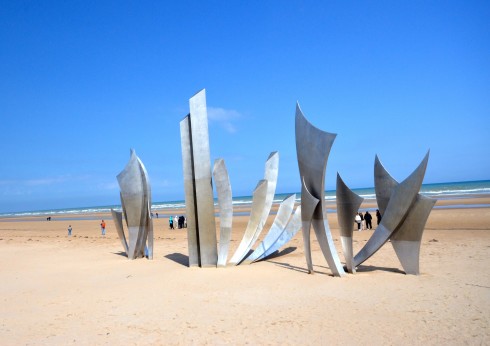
[(454, 191)]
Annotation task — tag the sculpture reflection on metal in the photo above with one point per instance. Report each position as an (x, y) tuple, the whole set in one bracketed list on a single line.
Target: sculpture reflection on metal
[(258, 204), (308, 205), (135, 200), (225, 202), (401, 200), (201, 228), (251, 236), (348, 204), (313, 148), (289, 232), (277, 228), (117, 216), (406, 239), (271, 173)]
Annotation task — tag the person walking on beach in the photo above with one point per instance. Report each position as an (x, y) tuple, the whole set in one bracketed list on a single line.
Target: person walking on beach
[(368, 218), (358, 221), (171, 222), (102, 227), (69, 230), (378, 217)]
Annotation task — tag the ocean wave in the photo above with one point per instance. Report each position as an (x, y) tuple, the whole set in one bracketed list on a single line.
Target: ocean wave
[(438, 190), (456, 192)]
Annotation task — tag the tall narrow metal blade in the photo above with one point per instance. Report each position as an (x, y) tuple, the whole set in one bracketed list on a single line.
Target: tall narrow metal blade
[(225, 202), (271, 173), (384, 185), (189, 189), (308, 205), (117, 217), (150, 238), (204, 198), (348, 204), (258, 203)]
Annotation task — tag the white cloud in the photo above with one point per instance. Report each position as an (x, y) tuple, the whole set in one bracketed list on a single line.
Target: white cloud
[(225, 117)]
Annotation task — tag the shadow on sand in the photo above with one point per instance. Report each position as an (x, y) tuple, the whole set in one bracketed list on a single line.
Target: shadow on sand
[(178, 258), (284, 252), (120, 253), (366, 269)]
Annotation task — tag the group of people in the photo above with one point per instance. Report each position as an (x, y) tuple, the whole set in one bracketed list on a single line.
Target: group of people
[(364, 221), (102, 228), (181, 222)]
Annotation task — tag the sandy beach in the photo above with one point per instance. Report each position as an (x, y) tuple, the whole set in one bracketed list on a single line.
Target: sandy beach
[(61, 290)]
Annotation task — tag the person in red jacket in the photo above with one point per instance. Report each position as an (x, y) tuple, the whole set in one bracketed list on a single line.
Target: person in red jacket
[(102, 227)]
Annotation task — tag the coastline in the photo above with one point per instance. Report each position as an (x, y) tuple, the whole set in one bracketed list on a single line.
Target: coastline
[(83, 290), (476, 201)]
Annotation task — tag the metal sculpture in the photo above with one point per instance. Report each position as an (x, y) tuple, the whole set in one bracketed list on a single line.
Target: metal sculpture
[(313, 148), (289, 232), (258, 204), (249, 238), (117, 216), (225, 202), (201, 228), (405, 211), (280, 222), (136, 201), (348, 204), (308, 206), (399, 203), (406, 239)]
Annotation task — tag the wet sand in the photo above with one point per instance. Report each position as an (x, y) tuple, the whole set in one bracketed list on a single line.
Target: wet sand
[(83, 290)]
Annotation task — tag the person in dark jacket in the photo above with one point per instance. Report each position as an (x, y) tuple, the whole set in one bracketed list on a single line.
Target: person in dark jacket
[(378, 217), (368, 218)]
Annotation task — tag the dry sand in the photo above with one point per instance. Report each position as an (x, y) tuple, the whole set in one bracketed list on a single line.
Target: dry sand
[(82, 289)]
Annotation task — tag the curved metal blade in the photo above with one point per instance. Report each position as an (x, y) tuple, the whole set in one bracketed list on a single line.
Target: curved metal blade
[(400, 201), (225, 202), (258, 203), (276, 229), (289, 232), (348, 204), (117, 217), (313, 148)]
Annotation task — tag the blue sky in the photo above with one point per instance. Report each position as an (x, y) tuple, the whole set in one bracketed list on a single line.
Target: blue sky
[(82, 82)]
